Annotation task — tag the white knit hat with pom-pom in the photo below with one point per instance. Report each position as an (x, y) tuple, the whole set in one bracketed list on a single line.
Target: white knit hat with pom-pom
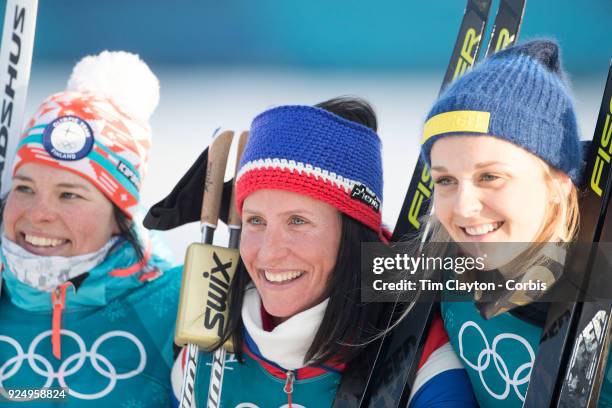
[(121, 76), (98, 127)]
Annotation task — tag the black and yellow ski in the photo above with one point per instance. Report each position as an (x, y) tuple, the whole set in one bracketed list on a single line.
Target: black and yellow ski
[(569, 367), (385, 375)]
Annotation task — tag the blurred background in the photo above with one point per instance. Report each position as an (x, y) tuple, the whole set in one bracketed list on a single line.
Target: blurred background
[(222, 62)]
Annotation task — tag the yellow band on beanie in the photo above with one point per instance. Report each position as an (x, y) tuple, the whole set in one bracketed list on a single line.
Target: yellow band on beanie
[(465, 121)]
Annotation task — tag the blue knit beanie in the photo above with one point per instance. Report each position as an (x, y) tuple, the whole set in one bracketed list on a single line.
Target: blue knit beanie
[(518, 95)]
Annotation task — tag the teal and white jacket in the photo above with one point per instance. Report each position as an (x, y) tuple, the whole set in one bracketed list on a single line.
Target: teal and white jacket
[(107, 338), (498, 354), (273, 374)]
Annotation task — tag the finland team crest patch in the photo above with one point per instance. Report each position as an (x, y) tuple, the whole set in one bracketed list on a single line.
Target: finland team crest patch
[(68, 138)]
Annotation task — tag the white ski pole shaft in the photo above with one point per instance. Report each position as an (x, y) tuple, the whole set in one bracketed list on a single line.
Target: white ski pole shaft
[(234, 223)]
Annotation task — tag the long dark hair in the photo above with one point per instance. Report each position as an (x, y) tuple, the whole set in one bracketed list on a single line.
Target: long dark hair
[(127, 231), (348, 324)]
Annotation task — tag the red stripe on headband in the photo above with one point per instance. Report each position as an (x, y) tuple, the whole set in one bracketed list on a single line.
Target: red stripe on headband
[(315, 187)]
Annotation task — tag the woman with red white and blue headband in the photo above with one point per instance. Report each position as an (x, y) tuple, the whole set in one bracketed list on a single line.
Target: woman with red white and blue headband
[(87, 303), (309, 191)]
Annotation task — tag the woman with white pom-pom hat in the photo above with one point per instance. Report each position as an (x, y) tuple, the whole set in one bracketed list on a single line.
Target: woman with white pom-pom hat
[(88, 303)]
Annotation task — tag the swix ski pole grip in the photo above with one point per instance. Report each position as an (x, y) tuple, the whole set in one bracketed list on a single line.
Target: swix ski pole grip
[(213, 184), (202, 311), (233, 220)]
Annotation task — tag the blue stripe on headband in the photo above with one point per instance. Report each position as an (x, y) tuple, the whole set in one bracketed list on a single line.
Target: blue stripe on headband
[(98, 158), (320, 138)]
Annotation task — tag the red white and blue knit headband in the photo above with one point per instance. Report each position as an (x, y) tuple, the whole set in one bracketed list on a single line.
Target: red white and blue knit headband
[(314, 152)]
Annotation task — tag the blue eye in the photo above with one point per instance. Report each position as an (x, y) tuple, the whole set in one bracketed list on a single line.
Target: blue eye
[(23, 189), (255, 220), (445, 181), (297, 220), (489, 177)]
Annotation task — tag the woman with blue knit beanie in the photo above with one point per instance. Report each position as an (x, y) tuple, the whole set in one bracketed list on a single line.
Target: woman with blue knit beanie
[(309, 190), (505, 155)]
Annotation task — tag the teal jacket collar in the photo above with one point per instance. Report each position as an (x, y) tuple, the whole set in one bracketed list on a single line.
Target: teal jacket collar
[(119, 273)]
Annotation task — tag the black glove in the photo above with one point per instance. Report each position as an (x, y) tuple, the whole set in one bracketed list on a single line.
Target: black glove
[(184, 203)]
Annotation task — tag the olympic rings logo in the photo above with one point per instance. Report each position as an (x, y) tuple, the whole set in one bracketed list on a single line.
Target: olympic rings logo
[(520, 376), (71, 365)]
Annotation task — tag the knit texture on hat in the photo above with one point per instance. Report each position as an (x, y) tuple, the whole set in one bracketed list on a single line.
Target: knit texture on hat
[(314, 152), (95, 129), (522, 90)]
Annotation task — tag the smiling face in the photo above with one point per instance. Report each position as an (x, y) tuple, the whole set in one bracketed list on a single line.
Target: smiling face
[(488, 189), (289, 245), (50, 211)]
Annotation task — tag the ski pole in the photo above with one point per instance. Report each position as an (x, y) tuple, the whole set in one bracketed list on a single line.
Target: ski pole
[(234, 224), (203, 301), (233, 220)]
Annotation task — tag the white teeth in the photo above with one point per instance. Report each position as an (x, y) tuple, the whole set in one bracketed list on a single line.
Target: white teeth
[(43, 242), (482, 229), (282, 277)]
